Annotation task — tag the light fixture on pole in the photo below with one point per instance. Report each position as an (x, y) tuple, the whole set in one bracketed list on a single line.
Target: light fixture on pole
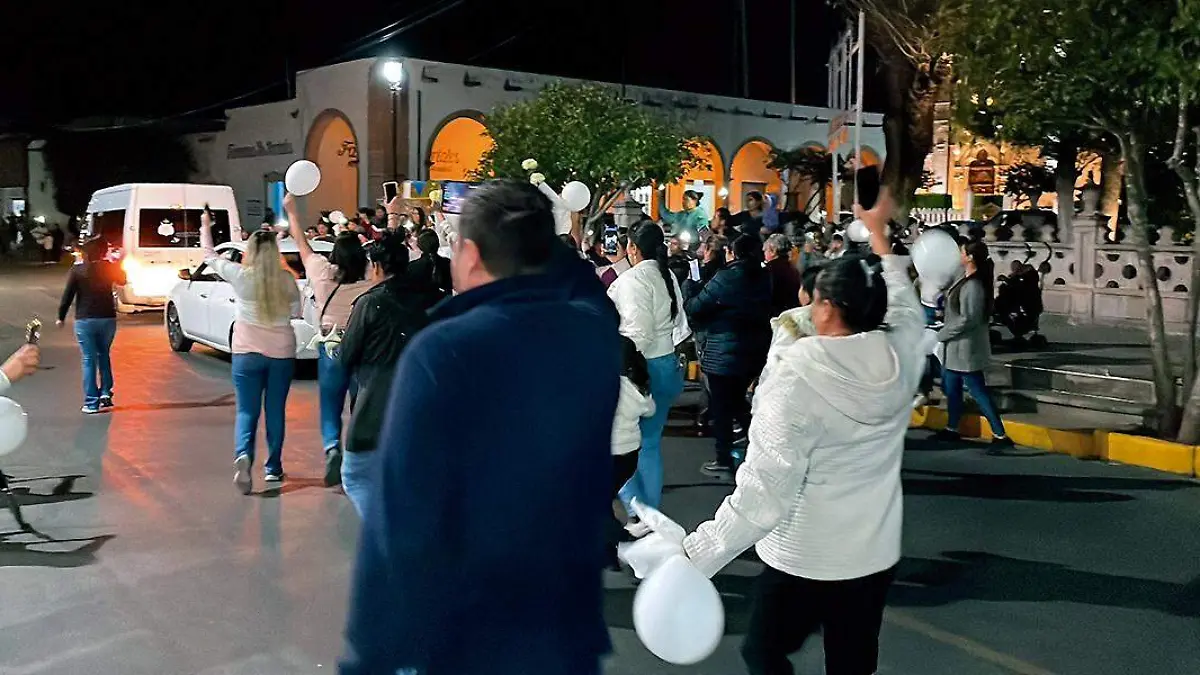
[(393, 72)]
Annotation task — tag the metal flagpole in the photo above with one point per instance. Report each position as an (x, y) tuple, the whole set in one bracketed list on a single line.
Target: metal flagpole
[(858, 97)]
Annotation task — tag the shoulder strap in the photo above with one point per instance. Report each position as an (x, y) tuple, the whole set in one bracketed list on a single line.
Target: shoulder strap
[(328, 300)]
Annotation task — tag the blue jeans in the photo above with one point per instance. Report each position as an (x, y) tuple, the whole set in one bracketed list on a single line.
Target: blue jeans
[(358, 473), (952, 384), (334, 383), (666, 384), (261, 384), (95, 338)]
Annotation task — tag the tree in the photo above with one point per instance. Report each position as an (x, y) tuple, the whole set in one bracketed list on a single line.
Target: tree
[(905, 36), (1030, 181), (83, 162), (1124, 69), (808, 163), (589, 134)]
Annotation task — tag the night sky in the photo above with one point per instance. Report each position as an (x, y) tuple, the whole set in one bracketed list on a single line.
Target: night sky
[(168, 57)]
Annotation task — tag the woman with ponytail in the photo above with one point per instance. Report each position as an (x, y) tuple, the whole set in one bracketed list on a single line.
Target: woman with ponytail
[(968, 345), (650, 303)]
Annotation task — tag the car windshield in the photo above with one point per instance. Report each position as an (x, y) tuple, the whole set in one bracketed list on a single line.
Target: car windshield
[(178, 228)]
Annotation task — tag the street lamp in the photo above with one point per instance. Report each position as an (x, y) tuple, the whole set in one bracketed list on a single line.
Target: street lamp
[(393, 72)]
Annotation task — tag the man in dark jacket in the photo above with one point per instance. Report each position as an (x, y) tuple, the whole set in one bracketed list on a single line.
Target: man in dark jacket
[(733, 311), (785, 278), (482, 551)]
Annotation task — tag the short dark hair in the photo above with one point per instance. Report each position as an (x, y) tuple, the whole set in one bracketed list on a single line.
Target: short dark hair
[(808, 279), (428, 242), (512, 223), (723, 213), (390, 253), (350, 259), (857, 289), (755, 195), (746, 247)]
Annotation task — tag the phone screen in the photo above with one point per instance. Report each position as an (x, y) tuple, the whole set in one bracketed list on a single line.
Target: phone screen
[(694, 269), (390, 190), (611, 243), (867, 180)]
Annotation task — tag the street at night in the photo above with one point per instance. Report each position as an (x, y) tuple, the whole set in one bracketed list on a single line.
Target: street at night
[(148, 561)]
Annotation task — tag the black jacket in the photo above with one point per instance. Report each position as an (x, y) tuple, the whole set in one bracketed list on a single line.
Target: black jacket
[(383, 321), (431, 274), (90, 287), (733, 311), (785, 285)]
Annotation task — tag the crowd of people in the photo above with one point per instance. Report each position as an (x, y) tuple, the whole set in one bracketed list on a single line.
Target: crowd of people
[(486, 476)]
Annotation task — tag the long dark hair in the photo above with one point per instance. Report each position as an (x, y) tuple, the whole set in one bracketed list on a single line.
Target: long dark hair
[(985, 270), (650, 240), (633, 366), (349, 258)]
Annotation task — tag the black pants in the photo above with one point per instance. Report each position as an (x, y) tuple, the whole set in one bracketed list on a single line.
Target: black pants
[(788, 609), (624, 466), (727, 404)]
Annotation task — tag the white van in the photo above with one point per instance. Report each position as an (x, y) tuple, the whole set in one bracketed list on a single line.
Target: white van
[(157, 227)]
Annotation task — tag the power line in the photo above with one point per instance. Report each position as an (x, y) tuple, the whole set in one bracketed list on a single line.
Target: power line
[(388, 32)]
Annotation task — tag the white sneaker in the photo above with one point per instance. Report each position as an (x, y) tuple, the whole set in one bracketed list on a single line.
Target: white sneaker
[(637, 528), (920, 401), (242, 477)]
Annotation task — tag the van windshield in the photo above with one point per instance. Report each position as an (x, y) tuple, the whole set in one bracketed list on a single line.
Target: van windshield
[(178, 228)]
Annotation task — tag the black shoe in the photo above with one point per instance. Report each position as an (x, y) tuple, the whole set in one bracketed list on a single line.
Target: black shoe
[(947, 436), (106, 402), (718, 469), (333, 467), (999, 445)]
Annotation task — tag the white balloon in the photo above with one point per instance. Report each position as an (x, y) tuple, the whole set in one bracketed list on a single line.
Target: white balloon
[(678, 614), (576, 195), (337, 218), (302, 177), (857, 231), (936, 257), (14, 425)]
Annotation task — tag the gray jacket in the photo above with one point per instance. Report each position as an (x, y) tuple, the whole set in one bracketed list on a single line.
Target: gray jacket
[(968, 346)]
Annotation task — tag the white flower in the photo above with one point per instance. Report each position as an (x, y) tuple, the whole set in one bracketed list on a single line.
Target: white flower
[(537, 178), (529, 164)]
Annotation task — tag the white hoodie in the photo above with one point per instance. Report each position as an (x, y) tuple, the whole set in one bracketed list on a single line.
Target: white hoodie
[(819, 492), (632, 406)]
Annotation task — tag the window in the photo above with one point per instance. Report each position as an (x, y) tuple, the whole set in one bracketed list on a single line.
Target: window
[(109, 225), (178, 228)]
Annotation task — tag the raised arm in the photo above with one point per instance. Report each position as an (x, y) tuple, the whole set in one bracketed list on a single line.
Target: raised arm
[(904, 313), (226, 269), (295, 228)]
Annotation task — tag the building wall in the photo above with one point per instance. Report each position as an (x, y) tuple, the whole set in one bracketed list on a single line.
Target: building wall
[(41, 187)]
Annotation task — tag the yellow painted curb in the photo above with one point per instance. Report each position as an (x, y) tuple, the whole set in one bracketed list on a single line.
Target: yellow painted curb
[(1124, 448), (1152, 453)]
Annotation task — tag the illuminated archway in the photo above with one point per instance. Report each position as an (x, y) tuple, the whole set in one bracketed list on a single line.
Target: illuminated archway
[(750, 172), (870, 157), (333, 145), (457, 146), (707, 179)]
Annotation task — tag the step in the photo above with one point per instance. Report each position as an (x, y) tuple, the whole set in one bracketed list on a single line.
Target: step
[(1041, 401), (1074, 380)]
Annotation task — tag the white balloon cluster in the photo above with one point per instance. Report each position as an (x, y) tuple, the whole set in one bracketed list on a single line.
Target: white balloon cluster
[(938, 262)]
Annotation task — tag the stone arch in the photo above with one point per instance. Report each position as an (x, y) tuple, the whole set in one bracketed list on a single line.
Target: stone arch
[(333, 145), (708, 180), (456, 145), (749, 171)]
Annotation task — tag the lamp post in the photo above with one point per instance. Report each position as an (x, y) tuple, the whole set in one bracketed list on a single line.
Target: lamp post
[(393, 72)]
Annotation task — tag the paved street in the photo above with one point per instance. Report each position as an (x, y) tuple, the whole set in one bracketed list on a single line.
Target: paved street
[(155, 565)]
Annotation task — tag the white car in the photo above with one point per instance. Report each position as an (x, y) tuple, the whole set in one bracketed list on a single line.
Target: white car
[(200, 307)]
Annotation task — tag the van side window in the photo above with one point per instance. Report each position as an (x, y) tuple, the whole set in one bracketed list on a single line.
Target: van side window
[(110, 225), (178, 228)]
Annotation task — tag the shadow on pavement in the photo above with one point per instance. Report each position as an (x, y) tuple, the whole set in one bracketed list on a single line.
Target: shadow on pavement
[(975, 575), (291, 485), (23, 553), (1018, 487), (63, 491), (225, 401)]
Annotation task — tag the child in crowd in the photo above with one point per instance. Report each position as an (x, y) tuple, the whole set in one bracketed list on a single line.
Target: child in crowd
[(633, 404)]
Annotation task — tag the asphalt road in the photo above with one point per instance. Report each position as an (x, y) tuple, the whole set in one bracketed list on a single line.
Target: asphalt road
[(1028, 565)]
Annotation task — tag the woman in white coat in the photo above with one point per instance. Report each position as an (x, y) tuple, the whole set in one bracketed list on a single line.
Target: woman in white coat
[(819, 493), (650, 303)]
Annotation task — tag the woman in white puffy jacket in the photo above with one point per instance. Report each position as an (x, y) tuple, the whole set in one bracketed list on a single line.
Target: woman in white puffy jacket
[(650, 303), (819, 493)]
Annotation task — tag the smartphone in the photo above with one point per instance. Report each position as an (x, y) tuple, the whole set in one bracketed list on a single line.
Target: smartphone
[(390, 190), (611, 243), (694, 269), (866, 180), (33, 332)]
